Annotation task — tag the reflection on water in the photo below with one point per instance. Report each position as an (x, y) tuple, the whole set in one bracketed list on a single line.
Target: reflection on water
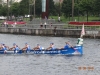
[(15, 64)]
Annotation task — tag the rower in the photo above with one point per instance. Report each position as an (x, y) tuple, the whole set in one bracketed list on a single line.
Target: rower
[(38, 47), (66, 46), (15, 48), (1, 46), (4, 47), (27, 47), (51, 47)]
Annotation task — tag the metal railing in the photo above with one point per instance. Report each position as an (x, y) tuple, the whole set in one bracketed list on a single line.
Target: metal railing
[(51, 26)]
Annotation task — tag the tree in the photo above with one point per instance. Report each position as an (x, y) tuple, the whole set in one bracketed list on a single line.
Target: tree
[(86, 6), (15, 9), (0, 9), (24, 7), (31, 4), (67, 7), (76, 7), (57, 8), (38, 7), (3, 10), (96, 7), (52, 9)]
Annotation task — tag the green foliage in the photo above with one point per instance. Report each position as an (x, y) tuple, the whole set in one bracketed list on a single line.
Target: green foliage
[(96, 7), (38, 7), (85, 5), (0, 9), (57, 8), (81, 8), (3, 10), (67, 7), (24, 7), (52, 9), (15, 9)]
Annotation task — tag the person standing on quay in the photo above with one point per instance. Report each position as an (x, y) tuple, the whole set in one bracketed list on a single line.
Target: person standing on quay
[(59, 19), (45, 25)]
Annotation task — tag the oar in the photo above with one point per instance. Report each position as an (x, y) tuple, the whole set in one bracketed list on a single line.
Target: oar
[(72, 47), (75, 49)]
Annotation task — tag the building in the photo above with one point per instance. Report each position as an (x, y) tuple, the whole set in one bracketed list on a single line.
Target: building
[(5, 1)]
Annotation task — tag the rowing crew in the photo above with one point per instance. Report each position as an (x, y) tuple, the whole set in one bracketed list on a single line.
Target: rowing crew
[(27, 47)]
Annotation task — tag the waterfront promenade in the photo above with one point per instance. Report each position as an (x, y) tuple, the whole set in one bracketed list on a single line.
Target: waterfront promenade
[(51, 28), (54, 30)]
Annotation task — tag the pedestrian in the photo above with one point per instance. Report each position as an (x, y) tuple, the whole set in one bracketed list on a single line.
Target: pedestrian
[(45, 25), (41, 25), (59, 19), (55, 30)]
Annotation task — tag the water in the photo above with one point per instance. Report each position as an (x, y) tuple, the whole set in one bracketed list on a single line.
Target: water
[(49, 64)]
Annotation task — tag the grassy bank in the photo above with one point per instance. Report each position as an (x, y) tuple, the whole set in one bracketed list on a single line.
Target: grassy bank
[(65, 20), (81, 18)]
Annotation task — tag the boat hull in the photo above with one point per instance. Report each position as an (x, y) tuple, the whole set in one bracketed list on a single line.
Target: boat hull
[(69, 51)]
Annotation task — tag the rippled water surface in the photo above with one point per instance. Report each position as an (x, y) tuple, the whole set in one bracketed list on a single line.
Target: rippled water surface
[(49, 64)]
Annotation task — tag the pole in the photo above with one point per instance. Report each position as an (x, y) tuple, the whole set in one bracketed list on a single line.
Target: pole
[(78, 10), (59, 7), (72, 10), (29, 7), (34, 8), (47, 9), (87, 15), (8, 9)]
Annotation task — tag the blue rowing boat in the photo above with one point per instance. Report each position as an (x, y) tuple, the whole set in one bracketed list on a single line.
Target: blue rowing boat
[(77, 50), (70, 51)]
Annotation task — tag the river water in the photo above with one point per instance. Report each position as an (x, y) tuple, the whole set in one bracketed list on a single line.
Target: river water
[(87, 64)]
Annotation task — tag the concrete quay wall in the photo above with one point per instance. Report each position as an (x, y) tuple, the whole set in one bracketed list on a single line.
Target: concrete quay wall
[(51, 32)]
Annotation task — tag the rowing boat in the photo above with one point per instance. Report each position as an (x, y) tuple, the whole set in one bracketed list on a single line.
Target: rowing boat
[(70, 51)]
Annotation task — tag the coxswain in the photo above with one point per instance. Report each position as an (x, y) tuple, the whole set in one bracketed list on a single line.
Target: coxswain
[(80, 42)]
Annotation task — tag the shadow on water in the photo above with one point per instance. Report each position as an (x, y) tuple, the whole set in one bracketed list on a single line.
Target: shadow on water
[(22, 54), (71, 56)]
